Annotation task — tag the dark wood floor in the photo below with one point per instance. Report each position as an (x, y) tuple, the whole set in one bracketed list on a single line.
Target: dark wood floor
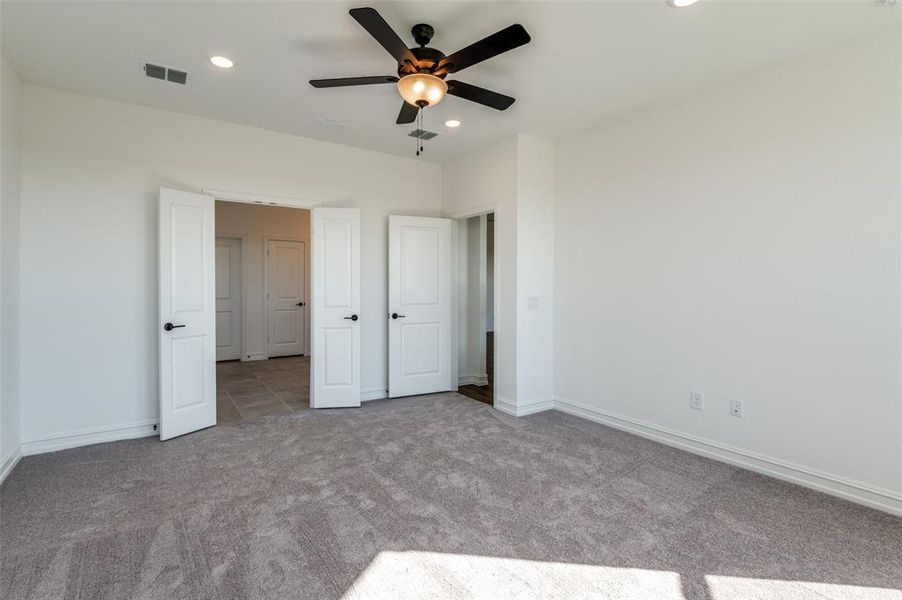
[(484, 393)]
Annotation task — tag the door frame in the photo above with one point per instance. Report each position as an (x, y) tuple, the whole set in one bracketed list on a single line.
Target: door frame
[(243, 243), (307, 282), (497, 210)]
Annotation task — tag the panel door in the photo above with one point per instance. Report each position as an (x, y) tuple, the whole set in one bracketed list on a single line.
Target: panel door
[(335, 350), (419, 301), (187, 313), (228, 299), (285, 297)]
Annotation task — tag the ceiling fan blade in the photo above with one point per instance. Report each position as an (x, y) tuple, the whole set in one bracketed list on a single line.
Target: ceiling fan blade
[(408, 113), (474, 93), (345, 81), (497, 43), (373, 22)]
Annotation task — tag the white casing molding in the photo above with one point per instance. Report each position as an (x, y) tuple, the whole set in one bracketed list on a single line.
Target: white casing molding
[(10, 462), (62, 441), (252, 198), (854, 491)]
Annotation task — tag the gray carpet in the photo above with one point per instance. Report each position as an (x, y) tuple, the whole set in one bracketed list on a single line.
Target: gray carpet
[(430, 497)]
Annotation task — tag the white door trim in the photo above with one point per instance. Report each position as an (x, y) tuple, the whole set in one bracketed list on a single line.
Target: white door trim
[(240, 237), (262, 199), (287, 238), (496, 298)]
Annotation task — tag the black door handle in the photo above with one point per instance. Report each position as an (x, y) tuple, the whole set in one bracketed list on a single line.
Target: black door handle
[(352, 318), (170, 326), (397, 316), (300, 304)]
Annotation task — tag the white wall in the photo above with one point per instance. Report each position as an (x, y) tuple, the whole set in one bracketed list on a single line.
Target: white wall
[(746, 243), (535, 273), (486, 181), (515, 179), (91, 170), (9, 263), (256, 223)]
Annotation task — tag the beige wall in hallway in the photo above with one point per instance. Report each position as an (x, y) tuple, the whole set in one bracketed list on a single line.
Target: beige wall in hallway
[(255, 223)]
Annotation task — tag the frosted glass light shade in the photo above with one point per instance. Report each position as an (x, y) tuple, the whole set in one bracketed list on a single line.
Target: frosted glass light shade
[(422, 89)]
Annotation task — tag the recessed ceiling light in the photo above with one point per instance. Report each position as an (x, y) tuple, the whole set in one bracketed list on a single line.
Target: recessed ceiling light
[(680, 3), (222, 62), (452, 123)]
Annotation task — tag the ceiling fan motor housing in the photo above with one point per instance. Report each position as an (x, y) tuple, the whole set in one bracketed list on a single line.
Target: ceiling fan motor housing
[(428, 59)]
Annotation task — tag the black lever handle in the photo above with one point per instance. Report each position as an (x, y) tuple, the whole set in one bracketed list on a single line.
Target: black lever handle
[(397, 316), (300, 304), (170, 326), (352, 318)]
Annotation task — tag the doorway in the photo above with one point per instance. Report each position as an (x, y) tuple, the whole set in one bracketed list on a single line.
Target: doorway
[(256, 384), (476, 318), (262, 345)]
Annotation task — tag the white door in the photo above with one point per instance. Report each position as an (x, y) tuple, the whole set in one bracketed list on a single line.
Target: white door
[(228, 299), (187, 313), (286, 310), (419, 304), (335, 351)]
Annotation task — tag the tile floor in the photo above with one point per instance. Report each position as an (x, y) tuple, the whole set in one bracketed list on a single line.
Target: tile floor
[(245, 390)]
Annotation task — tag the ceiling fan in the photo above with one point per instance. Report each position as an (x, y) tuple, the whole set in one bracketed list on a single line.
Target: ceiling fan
[(422, 70)]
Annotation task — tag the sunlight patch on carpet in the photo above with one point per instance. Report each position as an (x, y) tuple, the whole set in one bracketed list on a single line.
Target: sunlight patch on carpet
[(416, 574), (722, 587)]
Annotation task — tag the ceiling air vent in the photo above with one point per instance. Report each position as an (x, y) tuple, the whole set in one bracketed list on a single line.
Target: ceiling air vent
[(155, 71), (176, 76), (165, 73), (325, 129), (422, 134)]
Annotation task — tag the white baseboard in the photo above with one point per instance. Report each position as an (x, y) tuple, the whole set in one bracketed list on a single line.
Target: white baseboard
[(373, 394), (10, 462), (854, 491), (62, 441), (473, 379), (253, 357), (521, 409)]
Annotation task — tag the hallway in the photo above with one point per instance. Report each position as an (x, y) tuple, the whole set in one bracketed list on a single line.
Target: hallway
[(245, 390)]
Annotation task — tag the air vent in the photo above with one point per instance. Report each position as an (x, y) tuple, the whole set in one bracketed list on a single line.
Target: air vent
[(422, 134), (155, 71), (325, 129), (176, 76), (165, 73)]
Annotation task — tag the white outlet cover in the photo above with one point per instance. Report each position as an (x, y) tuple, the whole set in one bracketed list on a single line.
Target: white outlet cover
[(736, 407), (697, 400)]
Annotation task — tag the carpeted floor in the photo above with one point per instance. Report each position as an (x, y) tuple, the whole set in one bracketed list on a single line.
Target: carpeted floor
[(431, 497)]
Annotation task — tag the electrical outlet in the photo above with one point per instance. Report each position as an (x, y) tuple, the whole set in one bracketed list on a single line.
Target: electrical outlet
[(736, 407), (697, 400)]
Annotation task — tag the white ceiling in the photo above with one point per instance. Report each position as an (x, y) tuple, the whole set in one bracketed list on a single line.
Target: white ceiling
[(588, 61)]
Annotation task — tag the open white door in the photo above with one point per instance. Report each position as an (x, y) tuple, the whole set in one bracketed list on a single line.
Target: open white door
[(335, 352), (187, 313), (419, 298)]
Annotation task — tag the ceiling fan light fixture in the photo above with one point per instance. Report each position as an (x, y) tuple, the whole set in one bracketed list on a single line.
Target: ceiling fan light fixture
[(422, 89)]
